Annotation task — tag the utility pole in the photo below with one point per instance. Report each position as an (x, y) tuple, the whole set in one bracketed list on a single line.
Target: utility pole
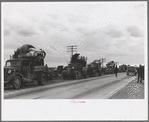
[(72, 49)]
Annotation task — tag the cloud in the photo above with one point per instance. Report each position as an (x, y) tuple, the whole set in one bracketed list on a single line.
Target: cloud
[(114, 33), (25, 33), (20, 23), (6, 32), (99, 29), (135, 31)]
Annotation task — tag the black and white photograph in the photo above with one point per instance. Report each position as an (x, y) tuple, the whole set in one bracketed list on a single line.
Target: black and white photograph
[(74, 57)]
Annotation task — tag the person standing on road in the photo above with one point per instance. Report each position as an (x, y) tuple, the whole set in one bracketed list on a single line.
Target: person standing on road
[(143, 72), (140, 74), (116, 70)]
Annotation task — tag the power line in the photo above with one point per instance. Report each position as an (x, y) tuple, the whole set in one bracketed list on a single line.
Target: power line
[(72, 49)]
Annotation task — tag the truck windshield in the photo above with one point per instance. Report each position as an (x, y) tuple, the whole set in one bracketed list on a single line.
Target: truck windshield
[(131, 69), (13, 63)]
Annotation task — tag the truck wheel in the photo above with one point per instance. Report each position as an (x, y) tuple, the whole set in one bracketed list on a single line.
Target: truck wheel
[(64, 76), (41, 79), (99, 73), (76, 76), (95, 73), (49, 76), (16, 83), (85, 75)]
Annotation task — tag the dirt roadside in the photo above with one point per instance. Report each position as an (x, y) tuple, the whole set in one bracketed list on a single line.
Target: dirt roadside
[(132, 90)]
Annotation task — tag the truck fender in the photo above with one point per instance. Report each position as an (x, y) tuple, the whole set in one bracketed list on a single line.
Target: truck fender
[(18, 74), (64, 74), (64, 71)]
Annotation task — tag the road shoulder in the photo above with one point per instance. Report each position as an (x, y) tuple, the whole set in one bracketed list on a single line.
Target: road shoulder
[(132, 90)]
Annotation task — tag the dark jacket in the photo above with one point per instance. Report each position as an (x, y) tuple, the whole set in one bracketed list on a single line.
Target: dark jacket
[(116, 69), (140, 70)]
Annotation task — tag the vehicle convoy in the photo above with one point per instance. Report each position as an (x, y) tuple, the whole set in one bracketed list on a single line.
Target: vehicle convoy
[(94, 68), (131, 70), (77, 68), (26, 67)]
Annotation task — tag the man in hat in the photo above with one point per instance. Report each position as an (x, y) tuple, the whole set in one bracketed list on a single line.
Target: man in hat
[(140, 74)]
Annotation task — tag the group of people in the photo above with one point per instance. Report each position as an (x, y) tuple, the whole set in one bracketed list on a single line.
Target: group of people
[(140, 72)]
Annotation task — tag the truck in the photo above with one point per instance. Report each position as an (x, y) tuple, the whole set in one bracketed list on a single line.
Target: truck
[(131, 70), (94, 68), (109, 70), (122, 68), (76, 68), (110, 67), (60, 69), (19, 71)]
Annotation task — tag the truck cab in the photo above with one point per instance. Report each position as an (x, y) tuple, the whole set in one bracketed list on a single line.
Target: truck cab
[(74, 71), (131, 70), (19, 71), (94, 68)]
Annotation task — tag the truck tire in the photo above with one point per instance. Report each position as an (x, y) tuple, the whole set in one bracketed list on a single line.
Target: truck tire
[(64, 76), (16, 83), (85, 75), (50, 76), (76, 76), (41, 79), (99, 73), (95, 73)]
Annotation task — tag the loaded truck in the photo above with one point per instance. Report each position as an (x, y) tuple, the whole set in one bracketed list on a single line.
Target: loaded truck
[(94, 68), (24, 69), (131, 70), (110, 67), (76, 68), (122, 68)]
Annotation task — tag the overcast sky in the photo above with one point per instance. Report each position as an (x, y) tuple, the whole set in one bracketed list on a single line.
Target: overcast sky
[(112, 30)]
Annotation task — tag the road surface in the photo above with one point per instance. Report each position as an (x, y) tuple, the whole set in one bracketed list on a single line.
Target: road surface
[(91, 88)]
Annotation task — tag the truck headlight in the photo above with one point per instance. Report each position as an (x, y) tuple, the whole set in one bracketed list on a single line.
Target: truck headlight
[(9, 71)]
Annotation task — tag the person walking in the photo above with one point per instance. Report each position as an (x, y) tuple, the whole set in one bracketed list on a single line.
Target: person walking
[(116, 70)]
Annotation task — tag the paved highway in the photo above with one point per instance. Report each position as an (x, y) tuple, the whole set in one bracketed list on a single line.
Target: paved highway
[(91, 88)]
